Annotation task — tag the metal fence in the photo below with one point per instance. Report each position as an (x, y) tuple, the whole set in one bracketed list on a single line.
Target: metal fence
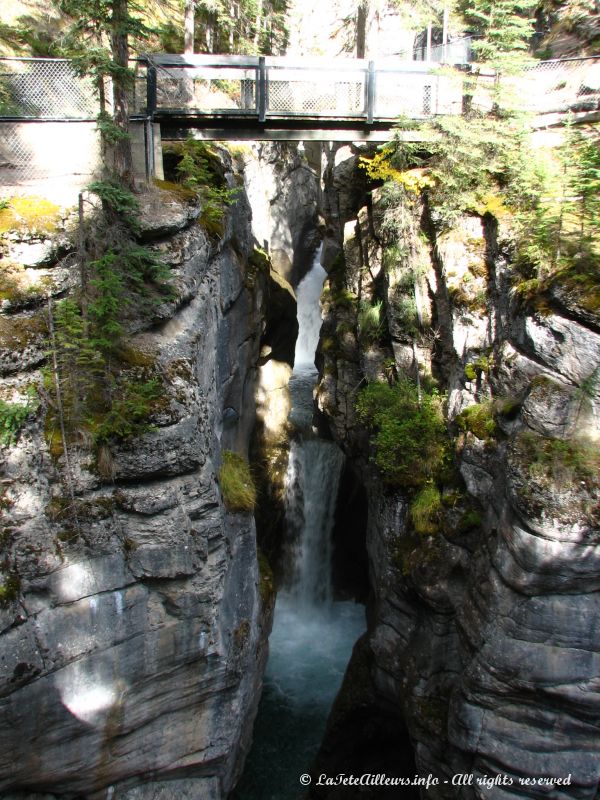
[(52, 158), (458, 51), (44, 88), (558, 86)]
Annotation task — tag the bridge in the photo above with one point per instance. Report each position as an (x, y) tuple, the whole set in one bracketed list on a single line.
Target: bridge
[(245, 97), (48, 113)]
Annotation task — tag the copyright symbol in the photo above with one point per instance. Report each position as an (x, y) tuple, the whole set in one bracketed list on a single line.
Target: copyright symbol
[(305, 780)]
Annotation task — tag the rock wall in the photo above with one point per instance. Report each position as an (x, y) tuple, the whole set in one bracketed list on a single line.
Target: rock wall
[(482, 632), (132, 647), (282, 182)]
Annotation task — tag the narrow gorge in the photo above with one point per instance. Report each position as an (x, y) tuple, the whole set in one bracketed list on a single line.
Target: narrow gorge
[(339, 513)]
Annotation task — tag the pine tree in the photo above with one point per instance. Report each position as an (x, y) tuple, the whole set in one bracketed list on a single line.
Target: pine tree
[(504, 28)]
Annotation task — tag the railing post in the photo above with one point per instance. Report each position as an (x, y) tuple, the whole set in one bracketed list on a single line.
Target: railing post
[(370, 92), (262, 89), (150, 89)]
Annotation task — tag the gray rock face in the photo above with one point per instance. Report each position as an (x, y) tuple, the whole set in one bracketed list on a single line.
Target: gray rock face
[(133, 643), (283, 191), (485, 638)]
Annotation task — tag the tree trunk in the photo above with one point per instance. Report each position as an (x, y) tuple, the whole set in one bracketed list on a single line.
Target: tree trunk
[(123, 161), (361, 29), (188, 30)]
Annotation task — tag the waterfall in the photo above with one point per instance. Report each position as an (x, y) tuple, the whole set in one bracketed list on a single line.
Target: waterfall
[(309, 313), (314, 465), (312, 635), (312, 480)]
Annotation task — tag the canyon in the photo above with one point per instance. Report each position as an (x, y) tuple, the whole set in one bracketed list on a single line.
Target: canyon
[(134, 646)]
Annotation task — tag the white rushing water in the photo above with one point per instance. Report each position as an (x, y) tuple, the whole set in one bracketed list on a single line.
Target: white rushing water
[(312, 636)]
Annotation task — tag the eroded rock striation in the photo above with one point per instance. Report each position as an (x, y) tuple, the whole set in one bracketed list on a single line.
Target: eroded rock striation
[(482, 630), (133, 634)]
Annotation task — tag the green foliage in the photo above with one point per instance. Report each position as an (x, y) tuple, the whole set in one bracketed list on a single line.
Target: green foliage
[(12, 419), (561, 462), (558, 238), (409, 437), (106, 309), (199, 169), (482, 364), (479, 420), (110, 132), (370, 321), (237, 484), (9, 589), (103, 396), (256, 27), (504, 29), (425, 510), (131, 404), (481, 165), (117, 198)]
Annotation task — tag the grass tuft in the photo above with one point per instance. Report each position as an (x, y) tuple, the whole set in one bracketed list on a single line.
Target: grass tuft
[(237, 484)]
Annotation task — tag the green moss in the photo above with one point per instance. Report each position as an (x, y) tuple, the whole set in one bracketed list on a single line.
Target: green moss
[(9, 589), (370, 322), (52, 437), (479, 420), (61, 509), (14, 288), (414, 552), (17, 333), (508, 407), (329, 345), (470, 520), (178, 189), (474, 301), (29, 215), (258, 263), (470, 372), (267, 579), (344, 299), (237, 484), (560, 462), (481, 365), (425, 510), (134, 357)]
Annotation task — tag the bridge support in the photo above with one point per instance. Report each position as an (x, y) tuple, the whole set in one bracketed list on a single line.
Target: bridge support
[(146, 146)]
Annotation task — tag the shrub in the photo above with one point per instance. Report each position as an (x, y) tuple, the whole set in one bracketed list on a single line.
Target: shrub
[(199, 169), (237, 484), (12, 419), (409, 436), (132, 403)]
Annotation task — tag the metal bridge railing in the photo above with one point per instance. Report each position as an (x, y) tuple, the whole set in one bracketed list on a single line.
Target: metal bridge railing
[(251, 86), (354, 89)]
